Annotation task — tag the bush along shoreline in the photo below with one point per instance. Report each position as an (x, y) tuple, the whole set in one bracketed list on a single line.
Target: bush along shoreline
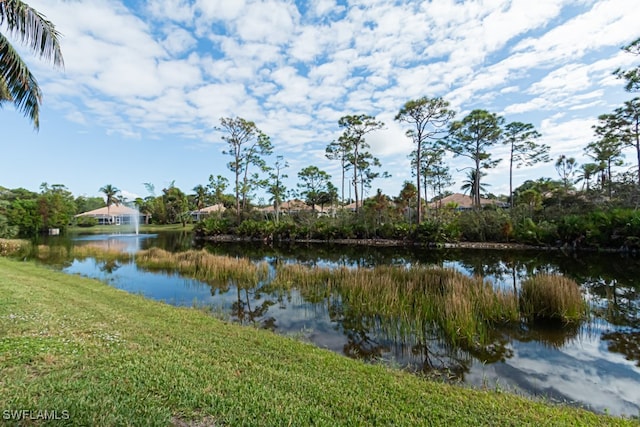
[(615, 230)]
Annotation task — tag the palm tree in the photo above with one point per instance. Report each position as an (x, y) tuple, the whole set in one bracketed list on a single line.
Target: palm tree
[(566, 168), (17, 84), (587, 171), (112, 197), (469, 184), (200, 196)]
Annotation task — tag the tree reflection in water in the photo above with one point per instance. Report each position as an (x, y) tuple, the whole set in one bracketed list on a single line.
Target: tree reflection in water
[(626, 343), (619, 304), (109, 266), (243, 313)]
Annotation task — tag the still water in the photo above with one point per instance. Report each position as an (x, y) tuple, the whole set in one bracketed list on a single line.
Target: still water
[(595, 365)]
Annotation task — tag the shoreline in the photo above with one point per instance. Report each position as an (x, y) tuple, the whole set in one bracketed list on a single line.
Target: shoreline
[(399, 243)]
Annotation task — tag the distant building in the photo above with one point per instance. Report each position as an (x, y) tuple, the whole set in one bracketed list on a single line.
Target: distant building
[(116, 215), (200, 214), (463, 202), (352, 206), (296, 206)]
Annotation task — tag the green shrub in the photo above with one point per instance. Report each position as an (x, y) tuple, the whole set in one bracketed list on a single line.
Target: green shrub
[(361, 231), (488, 225), (7, 230), (286, 229), (613, 228), (325, 229), (255, 229), (86, 221), (527, 231), (571, 228), (396, 231), (213, 225), (435, 231)]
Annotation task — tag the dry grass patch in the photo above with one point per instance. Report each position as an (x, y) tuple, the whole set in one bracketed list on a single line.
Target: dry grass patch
[(101, 253), (205, 266), (14, 247)]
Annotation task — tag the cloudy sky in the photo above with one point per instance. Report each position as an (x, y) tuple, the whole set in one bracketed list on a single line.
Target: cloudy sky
[(146, 82)]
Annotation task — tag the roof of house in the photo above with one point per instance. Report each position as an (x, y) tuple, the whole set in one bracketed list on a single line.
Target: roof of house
[(462, 201), (292, 205), (352, 205), (113, 210), (219, 207)]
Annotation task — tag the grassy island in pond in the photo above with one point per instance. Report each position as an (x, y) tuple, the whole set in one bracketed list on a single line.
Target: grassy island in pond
[(111, 358)]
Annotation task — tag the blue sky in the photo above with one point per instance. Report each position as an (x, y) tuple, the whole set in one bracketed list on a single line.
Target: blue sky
[(146, 82)]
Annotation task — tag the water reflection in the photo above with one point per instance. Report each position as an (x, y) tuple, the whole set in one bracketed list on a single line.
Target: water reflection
[(624, 342), (243, 313), (595, 365)]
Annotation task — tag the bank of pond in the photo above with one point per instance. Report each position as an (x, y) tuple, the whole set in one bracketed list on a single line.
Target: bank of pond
[(562, 327)]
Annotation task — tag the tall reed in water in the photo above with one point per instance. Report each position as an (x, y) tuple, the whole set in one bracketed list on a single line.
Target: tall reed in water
[(462, 307), (552, 297), (205, 266)]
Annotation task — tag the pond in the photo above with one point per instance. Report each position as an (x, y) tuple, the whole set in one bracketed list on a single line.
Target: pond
[(595, 365)]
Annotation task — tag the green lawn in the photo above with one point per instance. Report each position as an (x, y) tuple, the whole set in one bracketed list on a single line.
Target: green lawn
[(111, 358)]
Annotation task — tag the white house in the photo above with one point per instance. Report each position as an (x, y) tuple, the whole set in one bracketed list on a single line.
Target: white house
[(116, 215), (204, 212)]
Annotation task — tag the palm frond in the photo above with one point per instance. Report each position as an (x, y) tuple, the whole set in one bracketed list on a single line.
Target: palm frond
[(4, 91), (18, 84), (32, 29)]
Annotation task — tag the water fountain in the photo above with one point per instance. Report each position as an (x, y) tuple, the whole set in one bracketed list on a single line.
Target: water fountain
[(136, 221)]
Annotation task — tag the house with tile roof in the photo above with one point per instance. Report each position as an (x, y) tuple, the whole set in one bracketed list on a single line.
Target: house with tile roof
[(463, 202), (116, 215), (200, 214)]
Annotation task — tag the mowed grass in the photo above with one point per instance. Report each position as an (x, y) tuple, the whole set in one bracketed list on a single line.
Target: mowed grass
[(111, 358)]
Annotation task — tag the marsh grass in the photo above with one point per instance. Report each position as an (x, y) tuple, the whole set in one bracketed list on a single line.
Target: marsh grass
[(463, 308), (202, 265), (552, 297), (51, 253), (14, 247), (100, 253)]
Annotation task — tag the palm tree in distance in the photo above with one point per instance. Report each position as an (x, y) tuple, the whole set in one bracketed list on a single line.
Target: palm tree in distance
[(112, 194), (469, 184), (17, 84), (200, 196)]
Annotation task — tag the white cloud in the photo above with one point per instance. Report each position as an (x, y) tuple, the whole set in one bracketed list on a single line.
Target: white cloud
[(220, 10), (267, 21), (612, 19), (175, 10), (568, 137), (178, 40)]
